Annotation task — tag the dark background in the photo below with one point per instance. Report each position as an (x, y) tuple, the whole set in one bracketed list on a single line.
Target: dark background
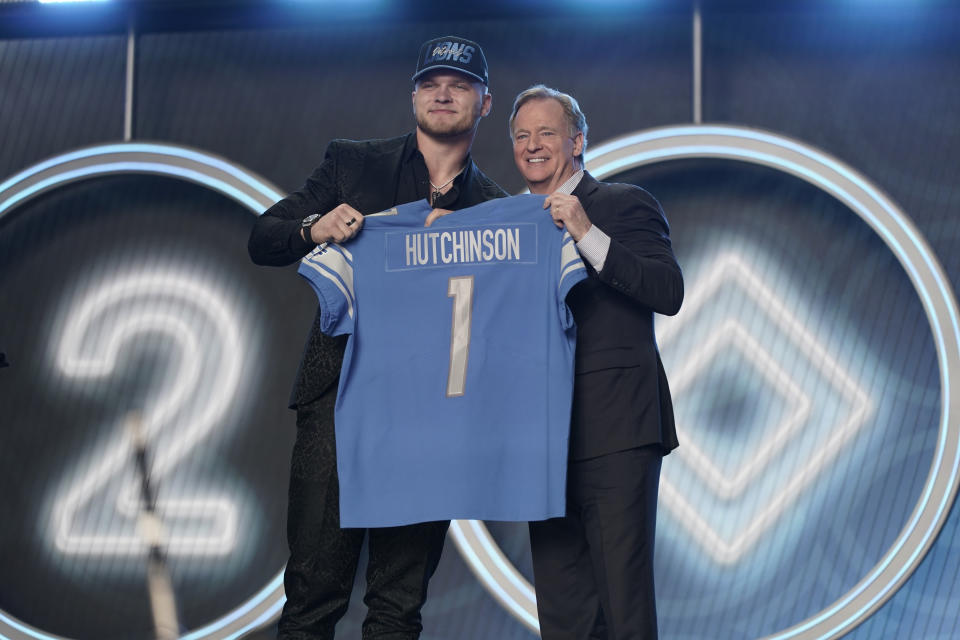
[(268, 84)]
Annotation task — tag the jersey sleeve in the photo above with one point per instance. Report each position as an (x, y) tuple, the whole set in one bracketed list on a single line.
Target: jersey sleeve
[(330, 272), (572, 271)]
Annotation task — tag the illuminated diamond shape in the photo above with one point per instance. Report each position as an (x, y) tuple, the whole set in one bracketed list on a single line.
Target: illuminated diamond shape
[(729, 268), (733, 335)]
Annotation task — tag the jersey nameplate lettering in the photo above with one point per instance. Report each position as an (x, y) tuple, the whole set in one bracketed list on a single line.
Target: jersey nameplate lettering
[(483, 245)]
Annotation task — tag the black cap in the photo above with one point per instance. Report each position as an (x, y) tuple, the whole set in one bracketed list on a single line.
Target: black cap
[(451, 52)]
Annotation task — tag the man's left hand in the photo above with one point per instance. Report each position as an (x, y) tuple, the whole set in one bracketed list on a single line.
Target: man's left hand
[(567, 211)]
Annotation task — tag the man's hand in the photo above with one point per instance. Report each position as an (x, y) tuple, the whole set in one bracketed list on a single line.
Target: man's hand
[(566, 210), (337, 225), (436, 213)]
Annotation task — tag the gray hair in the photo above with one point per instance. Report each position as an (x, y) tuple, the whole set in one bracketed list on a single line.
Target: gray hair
[(571, 111)]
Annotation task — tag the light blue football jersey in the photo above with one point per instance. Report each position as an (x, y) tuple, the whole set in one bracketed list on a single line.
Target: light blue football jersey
[(455, 391)]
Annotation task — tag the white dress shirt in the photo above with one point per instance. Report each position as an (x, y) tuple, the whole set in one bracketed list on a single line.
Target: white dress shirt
[(594, 244)]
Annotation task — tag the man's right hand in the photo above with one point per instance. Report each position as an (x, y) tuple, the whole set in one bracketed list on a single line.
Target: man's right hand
[(435, 214), (337, 225)]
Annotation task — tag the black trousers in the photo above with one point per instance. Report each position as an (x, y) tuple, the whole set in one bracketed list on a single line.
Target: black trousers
[(323, 557), (593, 568)]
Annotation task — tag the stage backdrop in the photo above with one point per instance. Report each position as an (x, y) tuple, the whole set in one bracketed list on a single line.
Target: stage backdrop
[(815, 363)]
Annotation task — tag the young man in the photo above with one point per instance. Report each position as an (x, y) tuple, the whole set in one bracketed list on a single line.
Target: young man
[(450, 97), (594, 567)]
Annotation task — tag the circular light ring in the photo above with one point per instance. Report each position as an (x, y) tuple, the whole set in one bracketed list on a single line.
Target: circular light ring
[(495, 571), (929, 280), (244, 187), (250, 190)]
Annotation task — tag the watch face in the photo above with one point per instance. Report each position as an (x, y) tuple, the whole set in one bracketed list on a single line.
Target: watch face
[(309, 220)]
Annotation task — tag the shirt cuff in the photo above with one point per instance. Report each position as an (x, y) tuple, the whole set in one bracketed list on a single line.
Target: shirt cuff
[(594, 246)]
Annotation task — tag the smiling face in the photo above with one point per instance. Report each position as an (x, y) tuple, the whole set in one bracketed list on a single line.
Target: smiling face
[(448, 104), (544, 149)]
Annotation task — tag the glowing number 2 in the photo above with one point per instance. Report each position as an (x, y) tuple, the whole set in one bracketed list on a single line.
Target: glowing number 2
[(460, 289), (203, 330)]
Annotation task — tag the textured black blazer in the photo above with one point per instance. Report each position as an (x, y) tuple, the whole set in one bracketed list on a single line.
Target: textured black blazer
[(366, 175), (621, 396)]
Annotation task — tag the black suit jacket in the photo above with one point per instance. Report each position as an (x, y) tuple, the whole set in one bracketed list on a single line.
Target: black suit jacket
[(368, 175), (621, 397)]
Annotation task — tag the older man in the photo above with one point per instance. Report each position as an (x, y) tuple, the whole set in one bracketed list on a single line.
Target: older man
[(450, 97), (594, 567)]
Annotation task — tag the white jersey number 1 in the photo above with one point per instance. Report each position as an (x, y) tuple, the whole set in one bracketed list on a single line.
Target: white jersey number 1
[(460, 289)]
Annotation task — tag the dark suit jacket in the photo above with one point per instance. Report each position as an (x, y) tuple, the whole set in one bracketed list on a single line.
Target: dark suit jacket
[(621, 397), (368, 175)]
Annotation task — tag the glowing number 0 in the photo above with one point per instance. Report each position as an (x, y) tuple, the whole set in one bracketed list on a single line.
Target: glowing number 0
[(461, 290)]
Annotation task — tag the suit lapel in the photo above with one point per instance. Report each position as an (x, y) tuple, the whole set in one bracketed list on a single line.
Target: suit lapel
[(586, 189), (585, 192), (380, 165)]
